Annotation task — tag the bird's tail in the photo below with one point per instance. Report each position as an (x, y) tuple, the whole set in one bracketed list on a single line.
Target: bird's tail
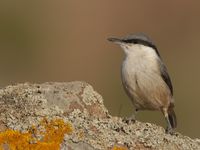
[(172, 116)]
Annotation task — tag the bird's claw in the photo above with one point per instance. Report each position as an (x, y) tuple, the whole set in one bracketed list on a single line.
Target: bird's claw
[(128, 120)]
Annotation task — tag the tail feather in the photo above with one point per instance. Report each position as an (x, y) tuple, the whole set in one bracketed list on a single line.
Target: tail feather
[(172, 117)]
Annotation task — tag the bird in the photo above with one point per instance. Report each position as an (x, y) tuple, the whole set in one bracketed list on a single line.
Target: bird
[(145, 77)]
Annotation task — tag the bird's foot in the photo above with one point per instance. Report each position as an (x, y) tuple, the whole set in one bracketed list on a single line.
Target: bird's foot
[(129, 120), (169, 130)]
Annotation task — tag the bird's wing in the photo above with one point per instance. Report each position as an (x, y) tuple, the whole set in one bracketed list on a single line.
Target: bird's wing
[(165, 76)]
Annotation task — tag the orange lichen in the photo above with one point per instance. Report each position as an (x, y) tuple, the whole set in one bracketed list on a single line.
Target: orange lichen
[(52, 136), (119, 148), (81, 134)]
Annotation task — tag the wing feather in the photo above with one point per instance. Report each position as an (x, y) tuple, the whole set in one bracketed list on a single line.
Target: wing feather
[(165, 76)]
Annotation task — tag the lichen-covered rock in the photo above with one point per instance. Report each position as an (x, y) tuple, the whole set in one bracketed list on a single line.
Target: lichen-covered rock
[(76, 104)]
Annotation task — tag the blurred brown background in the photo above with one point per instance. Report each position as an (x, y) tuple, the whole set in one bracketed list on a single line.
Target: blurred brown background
[(65, 40)]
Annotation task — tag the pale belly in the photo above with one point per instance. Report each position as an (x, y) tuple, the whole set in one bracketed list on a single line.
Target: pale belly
[(145, 86)]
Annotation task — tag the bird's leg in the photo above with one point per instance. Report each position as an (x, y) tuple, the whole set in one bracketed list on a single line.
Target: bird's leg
[(132, 118), (169, 128)]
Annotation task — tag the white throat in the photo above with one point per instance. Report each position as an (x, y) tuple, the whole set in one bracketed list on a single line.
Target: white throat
[(138, 50), (139, 58)]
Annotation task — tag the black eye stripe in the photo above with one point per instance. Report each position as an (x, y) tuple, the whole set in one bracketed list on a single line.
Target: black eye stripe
[(142, 42), (136, 42)]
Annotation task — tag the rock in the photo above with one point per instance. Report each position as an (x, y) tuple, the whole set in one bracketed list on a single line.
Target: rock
[(72, 116)]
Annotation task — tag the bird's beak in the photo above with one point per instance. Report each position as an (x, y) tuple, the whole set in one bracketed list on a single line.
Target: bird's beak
[(115, 40)]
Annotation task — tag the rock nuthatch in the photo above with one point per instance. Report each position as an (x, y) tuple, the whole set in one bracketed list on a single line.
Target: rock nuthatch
[(145, 77)]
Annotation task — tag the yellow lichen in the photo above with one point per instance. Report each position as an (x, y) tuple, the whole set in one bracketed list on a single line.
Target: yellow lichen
[(52, 136), (119, 148)]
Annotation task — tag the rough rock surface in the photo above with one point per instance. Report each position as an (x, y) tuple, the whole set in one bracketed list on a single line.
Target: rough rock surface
[(24, 105)]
